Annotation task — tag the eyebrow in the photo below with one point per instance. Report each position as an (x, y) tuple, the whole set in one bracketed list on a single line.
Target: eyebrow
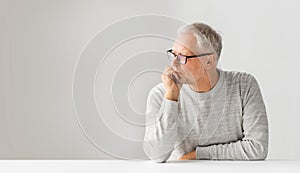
[(184, 53)]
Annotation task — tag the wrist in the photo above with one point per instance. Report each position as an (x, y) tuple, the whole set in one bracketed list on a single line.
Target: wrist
[(172, 95)]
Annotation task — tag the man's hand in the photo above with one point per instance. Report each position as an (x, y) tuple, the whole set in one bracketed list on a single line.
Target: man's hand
[(189, 156), (172, 88)]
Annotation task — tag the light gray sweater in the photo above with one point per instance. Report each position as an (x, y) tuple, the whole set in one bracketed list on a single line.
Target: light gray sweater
[(229, 122)]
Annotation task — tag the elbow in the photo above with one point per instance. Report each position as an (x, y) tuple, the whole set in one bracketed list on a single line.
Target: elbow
[(261, 153), (158, 160), (153, 157), (260, 157), (161, 159)]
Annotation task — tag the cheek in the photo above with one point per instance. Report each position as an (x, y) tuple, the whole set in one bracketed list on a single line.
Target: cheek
[(193, 67)]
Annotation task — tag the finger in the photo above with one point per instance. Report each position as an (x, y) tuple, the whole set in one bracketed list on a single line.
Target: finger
[(167, 69), (175, 74), (165, 77), (182, 158)]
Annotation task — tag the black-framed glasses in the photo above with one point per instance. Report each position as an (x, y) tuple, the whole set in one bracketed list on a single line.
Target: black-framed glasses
[(182, 59)]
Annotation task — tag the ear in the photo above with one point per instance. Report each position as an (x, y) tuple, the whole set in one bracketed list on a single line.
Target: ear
[(210, 62)]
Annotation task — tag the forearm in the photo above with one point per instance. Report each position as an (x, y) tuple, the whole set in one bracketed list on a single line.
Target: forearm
[(161, 136), (253, 146), (239, 150)]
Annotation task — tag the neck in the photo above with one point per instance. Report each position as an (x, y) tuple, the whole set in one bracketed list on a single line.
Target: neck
[(207, 82)]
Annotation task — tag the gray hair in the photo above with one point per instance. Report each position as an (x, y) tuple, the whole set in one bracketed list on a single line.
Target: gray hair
[(207, 38)]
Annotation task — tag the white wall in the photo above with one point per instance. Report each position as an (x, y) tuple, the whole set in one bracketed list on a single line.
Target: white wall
[(41, 42)]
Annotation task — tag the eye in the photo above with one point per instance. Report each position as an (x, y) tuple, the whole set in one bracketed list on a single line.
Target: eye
[(182, 59)]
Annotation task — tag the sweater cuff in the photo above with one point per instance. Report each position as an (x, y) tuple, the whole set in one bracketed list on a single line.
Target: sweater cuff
[(202, 153), (171, 106)]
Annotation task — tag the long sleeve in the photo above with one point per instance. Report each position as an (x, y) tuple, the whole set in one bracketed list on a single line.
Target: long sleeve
[(161, 126), (254, 144)]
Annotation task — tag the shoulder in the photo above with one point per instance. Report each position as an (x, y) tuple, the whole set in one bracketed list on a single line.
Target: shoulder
[(156, 95), (241, 78), (243, 82), (157, 91)]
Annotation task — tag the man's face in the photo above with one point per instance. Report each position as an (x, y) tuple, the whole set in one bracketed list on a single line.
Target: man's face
[(192, 71)]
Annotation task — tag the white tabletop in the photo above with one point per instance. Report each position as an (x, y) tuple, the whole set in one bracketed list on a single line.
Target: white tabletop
[(141, 166)]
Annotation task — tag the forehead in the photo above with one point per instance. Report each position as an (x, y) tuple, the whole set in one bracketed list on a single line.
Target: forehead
[(185, 43)]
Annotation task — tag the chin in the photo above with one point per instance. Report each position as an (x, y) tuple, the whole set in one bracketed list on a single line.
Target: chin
[(182, 81)]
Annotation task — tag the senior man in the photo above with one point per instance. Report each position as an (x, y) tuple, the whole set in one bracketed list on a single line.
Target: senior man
[(200, 111)]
